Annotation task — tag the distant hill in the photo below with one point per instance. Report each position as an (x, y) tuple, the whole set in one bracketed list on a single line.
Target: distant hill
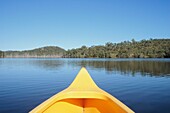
[(44, 52), (152, 48)]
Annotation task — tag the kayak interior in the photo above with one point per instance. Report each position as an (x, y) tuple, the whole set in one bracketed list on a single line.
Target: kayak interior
[(84, 105)]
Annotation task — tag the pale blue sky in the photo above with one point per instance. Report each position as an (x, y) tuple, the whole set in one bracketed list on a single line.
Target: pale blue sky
[(28, 24)]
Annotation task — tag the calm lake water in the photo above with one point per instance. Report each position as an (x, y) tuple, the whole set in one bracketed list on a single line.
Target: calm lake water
[(142, 84)]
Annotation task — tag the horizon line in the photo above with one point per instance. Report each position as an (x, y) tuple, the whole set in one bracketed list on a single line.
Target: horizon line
[(52, 45)]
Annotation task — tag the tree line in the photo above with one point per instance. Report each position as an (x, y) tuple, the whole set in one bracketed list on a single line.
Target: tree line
[(152, 48), (43, 52), (1, 54)]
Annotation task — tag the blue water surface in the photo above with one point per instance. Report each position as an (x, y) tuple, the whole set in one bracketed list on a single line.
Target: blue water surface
[(141, 84)]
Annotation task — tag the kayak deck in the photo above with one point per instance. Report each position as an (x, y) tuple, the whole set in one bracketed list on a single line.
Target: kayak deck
[(82, 96)]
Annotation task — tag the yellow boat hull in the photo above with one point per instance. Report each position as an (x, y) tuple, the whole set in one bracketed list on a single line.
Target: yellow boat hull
[(82, 96)]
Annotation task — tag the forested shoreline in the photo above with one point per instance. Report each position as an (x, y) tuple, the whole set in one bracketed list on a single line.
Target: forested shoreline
[(43, 52), (1, 54), (152, 48)]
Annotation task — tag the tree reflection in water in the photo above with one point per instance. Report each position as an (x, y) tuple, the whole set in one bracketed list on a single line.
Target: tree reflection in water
[(144, 67)]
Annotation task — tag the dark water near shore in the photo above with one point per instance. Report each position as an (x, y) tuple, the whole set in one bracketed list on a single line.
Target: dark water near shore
[(142, 84)]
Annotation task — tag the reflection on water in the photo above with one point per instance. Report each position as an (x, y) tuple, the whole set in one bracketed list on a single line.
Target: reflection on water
[(48, 64), (25, 83), (144, 67)]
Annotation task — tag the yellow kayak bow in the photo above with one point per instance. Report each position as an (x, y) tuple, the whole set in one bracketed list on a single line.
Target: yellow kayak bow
[(82, 96)]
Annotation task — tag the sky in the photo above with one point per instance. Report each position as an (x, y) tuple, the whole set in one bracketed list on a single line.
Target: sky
[(29, 24)]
